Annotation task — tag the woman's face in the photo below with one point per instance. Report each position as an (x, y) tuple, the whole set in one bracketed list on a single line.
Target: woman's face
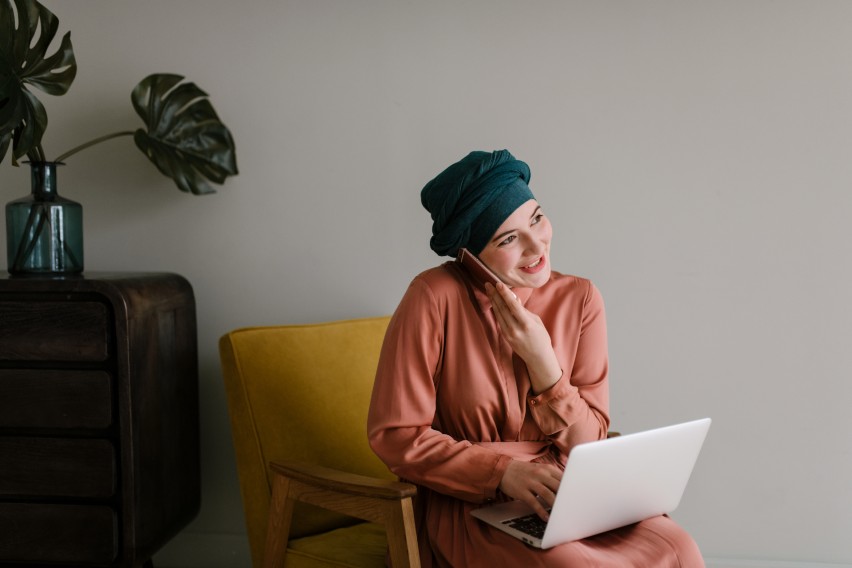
[(519, 251)]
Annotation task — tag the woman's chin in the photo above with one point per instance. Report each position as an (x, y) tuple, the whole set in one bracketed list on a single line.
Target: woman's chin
[(536, 280)]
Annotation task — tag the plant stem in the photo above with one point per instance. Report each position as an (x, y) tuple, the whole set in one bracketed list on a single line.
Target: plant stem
[(71, 258), (73, 151), (36, 154), (28, 243)]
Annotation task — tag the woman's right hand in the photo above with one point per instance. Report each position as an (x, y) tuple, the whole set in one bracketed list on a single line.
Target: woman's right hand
[(527, 335), (533, 483)]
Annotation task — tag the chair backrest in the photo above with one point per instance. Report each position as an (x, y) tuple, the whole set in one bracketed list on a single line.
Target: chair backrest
[(300, 392)]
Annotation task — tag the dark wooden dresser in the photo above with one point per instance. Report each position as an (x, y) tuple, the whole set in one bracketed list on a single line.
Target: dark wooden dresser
[(99, 425)]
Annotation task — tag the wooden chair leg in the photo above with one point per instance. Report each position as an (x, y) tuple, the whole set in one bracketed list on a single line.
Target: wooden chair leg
[(401, 530), (278, 526)]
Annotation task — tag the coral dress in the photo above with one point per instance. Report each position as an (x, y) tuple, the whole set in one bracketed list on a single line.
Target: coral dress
[(452, 406)]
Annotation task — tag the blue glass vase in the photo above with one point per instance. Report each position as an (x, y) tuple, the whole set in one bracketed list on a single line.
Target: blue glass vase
[(44, 232)]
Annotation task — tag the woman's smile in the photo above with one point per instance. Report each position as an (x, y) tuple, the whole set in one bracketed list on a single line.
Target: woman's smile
[(535, 267)]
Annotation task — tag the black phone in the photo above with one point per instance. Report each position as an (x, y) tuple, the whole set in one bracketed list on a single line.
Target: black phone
[(477, 267)]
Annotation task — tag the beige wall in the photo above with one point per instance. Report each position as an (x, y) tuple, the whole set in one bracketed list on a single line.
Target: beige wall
[(695, 158)]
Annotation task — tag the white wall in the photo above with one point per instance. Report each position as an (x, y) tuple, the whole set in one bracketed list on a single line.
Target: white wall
[(695, 158)]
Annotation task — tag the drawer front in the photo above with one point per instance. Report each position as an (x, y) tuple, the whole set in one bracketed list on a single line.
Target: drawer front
[(55, 399), (54, 331), (58, 533), (56, 467)]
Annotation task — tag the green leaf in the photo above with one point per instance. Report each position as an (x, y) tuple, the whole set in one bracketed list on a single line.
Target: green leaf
[(185, 138), (24, 42)]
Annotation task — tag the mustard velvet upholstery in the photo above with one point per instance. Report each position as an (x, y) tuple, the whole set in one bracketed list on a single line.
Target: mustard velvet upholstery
[(301, 393)]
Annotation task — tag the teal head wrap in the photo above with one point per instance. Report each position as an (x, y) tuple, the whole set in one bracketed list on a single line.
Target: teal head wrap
[(470, 199)]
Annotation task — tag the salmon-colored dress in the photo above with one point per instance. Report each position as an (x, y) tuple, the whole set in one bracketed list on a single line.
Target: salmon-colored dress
[(452, 406)]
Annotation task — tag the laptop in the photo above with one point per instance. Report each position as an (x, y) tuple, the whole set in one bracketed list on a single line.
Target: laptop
[(608, 484)]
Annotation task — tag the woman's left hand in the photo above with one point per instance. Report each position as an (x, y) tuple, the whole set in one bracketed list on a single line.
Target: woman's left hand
[(527, 335)]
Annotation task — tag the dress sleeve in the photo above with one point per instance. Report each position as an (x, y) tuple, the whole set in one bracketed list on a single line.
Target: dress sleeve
[(576, 408), (402, 409)]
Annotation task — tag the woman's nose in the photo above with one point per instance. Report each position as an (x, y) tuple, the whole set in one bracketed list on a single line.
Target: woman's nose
[(535, 246)]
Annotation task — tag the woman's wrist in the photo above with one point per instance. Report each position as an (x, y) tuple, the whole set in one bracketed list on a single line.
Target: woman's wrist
[(544, 376)]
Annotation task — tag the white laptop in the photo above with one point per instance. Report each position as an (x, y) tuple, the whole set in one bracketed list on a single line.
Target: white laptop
[(609, 484)]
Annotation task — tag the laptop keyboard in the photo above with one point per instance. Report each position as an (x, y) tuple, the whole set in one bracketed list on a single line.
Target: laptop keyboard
[(529, 524)]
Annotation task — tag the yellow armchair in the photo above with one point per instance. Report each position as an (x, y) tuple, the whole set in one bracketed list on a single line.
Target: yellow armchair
[(298, 397)]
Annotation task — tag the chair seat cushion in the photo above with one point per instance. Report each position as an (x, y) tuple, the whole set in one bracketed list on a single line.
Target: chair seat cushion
[(360, 546)]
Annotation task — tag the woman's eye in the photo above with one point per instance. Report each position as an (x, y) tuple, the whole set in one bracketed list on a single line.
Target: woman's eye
[(507, 240), (537, 219)]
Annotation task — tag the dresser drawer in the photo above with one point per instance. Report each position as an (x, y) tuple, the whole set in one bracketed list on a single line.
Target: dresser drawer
[(54, 331), (55, 399), (70, 534), (57, 467)]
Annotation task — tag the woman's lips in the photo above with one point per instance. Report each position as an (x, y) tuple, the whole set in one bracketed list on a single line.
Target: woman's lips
[(534, 267)]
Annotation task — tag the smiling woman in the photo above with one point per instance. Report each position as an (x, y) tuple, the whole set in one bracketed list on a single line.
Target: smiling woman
[(482, 391)]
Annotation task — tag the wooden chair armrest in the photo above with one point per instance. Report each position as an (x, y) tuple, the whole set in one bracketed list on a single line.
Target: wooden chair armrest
[(389, 503), (343, 482)]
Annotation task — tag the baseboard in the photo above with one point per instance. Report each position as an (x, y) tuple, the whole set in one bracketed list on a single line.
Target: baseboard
[(205, 550), (215, 550), (739, 563)]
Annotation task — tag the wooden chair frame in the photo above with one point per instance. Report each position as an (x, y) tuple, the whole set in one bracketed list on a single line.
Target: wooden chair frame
[(389, 503)]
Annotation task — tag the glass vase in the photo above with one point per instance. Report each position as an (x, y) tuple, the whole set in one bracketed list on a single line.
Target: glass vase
[(44, 232)]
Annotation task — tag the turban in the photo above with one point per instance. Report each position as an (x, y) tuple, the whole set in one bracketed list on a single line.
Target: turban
[(470, 199)]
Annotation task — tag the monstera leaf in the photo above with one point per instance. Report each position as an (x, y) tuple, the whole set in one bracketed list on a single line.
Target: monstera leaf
[(185, 138), (24, 42)]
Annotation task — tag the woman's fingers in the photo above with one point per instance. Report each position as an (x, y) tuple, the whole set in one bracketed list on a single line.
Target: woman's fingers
[(544, 494), (505, 303), (533, 483), (506, 298), (517, 323)]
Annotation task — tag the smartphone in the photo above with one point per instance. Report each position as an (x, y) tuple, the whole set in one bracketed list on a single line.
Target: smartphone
[(477, 267)]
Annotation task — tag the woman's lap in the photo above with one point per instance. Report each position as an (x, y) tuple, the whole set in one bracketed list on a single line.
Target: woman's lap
[(658, 542)]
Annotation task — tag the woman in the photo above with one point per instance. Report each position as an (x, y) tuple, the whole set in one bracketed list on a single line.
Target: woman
[(482, 391)]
